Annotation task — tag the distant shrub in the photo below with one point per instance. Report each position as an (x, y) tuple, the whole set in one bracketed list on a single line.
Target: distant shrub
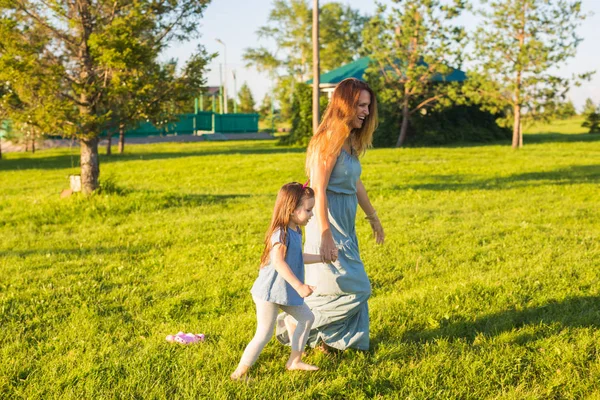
[(591, 113), (302, 115), (464, 123)]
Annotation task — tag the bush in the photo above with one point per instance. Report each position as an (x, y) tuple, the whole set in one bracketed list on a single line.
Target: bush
[(302, 131), (464, 123), (592, 117)]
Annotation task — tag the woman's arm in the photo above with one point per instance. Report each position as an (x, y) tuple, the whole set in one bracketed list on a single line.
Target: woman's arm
[(367, 207), (320, 179), (283, 269)]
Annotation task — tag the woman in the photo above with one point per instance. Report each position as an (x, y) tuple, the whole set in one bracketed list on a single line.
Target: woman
[(339, 301)]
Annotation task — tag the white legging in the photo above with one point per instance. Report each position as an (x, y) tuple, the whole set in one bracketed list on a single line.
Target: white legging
[(266, 315)]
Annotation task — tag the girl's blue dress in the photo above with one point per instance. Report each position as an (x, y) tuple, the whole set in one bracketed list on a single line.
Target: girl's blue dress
[(270, 286)]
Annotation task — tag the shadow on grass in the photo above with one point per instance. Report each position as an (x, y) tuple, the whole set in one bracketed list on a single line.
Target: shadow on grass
[(134, 202), (552, 137), (65, 161), (173, 200), (575, 312), (563, 176), (531, 138), (77, 251)]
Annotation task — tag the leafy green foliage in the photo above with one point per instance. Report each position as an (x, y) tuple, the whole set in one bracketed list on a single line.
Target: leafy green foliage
[(517, 46), (302, 128), (266, 110), (80, 68), (411, 44), (565, 110), (289, 27), (591, 113), (452, 125), (246, 100), (471, 299)]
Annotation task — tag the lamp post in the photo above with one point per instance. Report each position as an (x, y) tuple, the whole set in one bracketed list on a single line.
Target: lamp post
[(225, 74), (234, 93)]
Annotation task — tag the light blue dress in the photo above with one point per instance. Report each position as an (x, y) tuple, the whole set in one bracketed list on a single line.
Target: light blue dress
[(339, 302), (270, 286)]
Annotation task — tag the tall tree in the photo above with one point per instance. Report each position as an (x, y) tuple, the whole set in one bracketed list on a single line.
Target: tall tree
[(566, 110), (518, 45), (340, 35), (411, 45), (246, 100), (289, 31), (80, 52), (154, 93), (589, 106)]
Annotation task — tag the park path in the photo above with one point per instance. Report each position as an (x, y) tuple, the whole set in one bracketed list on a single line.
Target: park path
[(9, 147)]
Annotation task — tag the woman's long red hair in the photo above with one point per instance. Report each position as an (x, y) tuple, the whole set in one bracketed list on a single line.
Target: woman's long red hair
[(336, 124), (289, 198)]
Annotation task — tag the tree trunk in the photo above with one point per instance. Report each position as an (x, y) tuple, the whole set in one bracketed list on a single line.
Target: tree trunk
[(121, 139), (108, 144), (90, 165), (0, 148), (516, 138), (520, 134), (404, 126), (33, 145)]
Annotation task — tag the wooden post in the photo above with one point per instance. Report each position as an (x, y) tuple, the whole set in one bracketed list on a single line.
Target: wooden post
[(316, 81)]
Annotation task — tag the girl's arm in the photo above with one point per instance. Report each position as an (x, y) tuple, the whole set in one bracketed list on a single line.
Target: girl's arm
[(367, 207), (283, 269), (312, 258), (320, 179)]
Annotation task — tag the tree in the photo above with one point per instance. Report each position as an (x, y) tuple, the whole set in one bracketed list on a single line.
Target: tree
[(246, 99), (566, 110), (289, 28), (266, 109), (591, 112), (153, 93), (302, 117), (589, 107), (411, 46), (517, 45), (340, 35), (78, 55)]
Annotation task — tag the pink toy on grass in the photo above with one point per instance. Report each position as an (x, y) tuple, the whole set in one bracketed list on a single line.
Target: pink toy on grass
[(186, 338)]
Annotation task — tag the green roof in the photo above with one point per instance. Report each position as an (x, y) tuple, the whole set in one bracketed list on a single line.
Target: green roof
[(356, 69)]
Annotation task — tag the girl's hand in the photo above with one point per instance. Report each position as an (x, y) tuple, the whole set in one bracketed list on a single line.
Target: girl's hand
[(377, 228), (329, 251), (305, 290)]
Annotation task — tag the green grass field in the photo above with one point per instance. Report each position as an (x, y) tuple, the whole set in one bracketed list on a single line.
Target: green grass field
[(487, 285)]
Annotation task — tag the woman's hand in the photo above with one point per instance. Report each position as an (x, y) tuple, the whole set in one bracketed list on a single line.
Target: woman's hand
[(377, 228), (305, 290), (329, 251)]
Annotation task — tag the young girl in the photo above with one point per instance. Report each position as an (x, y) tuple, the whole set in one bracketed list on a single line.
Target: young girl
[(280, 282)]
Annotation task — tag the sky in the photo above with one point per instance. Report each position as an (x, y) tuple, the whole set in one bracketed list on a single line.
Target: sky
[(235, 23)]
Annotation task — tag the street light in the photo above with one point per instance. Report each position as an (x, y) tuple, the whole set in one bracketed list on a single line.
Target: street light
[(225, 67)]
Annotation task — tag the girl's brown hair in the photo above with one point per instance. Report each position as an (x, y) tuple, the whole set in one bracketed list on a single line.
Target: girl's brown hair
[(336, 125), (289, 198)]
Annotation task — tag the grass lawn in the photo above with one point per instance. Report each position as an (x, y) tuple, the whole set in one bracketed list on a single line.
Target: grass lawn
[(487, 285)]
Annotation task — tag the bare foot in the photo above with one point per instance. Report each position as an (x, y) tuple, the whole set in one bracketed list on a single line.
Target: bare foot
[(300, 366), (240, 374), (323, 348)]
